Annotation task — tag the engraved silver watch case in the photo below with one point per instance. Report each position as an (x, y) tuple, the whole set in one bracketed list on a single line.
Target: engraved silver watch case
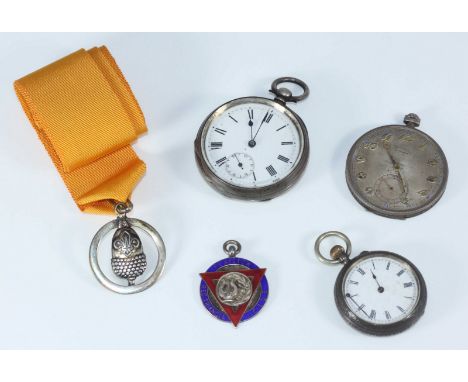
[(377, 292), (397, 171), (277, 105)]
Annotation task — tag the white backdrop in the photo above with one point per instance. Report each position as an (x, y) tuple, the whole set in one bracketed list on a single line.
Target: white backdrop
[(50, 299)]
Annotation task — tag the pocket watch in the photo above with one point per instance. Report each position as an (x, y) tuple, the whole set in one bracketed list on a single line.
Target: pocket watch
[(397, 171), (254, 148), (377, 292), (234, 289)]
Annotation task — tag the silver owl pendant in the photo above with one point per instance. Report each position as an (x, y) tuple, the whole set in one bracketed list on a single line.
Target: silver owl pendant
[(128, 260)]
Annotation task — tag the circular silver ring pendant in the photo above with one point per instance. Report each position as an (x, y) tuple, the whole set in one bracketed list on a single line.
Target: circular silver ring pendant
[(128, 259)]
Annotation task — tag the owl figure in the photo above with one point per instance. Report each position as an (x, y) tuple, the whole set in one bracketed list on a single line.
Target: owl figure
[(128, 260)]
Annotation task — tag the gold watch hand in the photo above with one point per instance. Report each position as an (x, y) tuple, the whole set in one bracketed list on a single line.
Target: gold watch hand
[(396, 166)]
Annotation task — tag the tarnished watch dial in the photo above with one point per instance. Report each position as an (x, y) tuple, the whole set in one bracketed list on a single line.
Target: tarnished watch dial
[(396, 171), (234, 289)]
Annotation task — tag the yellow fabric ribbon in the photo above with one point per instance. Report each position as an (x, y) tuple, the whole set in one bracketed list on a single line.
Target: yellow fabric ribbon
[(87, 117)]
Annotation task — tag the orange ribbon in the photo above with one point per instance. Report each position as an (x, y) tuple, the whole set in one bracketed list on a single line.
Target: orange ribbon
[(87, 117)]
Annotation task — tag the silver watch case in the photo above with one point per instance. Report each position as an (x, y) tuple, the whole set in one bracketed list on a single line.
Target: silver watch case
[(395, 214), (261, 193)]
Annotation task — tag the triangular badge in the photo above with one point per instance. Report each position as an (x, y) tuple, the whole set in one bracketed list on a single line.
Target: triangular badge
[(235, 314)]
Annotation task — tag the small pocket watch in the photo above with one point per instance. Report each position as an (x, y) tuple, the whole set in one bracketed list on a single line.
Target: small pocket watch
[(234, 289), (397, 171), (254, 148), (378, 292)]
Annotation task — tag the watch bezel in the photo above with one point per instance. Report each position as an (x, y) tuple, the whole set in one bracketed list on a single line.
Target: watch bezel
[(261, 193), (379, 329)]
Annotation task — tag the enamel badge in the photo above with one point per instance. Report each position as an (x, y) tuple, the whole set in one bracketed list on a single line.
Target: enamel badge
[(234, 289)]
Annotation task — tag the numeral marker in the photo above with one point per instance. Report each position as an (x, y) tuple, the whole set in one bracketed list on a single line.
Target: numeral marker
[(372, 314), (255, 178), (250, 113), (362, 175), (361, 271), (400, 273), (401, 309), (373, 264), (284, 159), (220, 131), (370, 146), (271, 170), (216, 145), (361, 307), (221, 161), (235, 120), (286, 143), (268, 117), (388, 266), (387, 315), (423, 192), (282, 127), (407, 285), (407, 138), (353, 282)]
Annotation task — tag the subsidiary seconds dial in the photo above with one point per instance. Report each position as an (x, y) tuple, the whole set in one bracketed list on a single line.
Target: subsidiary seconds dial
[(254, 148)]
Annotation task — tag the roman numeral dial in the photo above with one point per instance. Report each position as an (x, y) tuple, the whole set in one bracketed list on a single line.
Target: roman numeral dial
[(252, 144), (384, 289), (396, 171)]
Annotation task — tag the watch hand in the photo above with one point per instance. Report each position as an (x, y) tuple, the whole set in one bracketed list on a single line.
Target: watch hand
[(263, 120), (396, 166), (385, 181), (239, 162), (380, 289)]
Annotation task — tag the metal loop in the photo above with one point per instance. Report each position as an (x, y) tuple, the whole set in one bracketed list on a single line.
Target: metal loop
[(325, 235), (123, 208), (108, 283), (285, 94), (232, 248)]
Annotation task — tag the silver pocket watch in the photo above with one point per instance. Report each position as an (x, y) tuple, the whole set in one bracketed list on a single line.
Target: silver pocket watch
[(397, 171), (377, 292), (254, 148)]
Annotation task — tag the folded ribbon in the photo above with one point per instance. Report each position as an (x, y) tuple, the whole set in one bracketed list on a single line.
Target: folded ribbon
[(87, 117)]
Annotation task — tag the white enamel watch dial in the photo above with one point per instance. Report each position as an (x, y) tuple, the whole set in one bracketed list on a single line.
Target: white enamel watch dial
[(252, 145), (254, 148), (381, 289)]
